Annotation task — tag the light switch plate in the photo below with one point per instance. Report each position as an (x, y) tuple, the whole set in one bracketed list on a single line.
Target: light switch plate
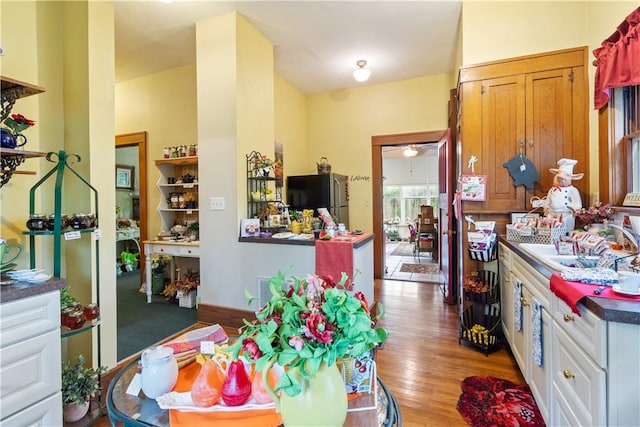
[(217, 203)]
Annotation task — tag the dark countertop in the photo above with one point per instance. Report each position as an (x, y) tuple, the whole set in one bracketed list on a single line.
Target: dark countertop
[(359, 240), (612, 310), (21, 290)]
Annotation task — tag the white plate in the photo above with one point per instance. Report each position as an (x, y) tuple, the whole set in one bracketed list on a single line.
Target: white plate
[(284, 235), (183, 402), (617, 289), (39, 278)]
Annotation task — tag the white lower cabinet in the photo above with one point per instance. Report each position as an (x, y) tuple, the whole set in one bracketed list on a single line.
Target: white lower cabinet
[(30, 361), (579, 385), (590, 374)]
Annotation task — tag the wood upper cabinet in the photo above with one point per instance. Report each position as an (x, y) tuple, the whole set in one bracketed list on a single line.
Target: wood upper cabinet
[(535, 105)]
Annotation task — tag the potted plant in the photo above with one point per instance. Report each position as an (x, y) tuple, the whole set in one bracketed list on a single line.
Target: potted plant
[(79, 385)]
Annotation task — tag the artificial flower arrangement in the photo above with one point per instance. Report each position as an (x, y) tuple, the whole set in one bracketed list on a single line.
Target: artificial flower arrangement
[(262, 161), (596, 214), (18, 123), (307, 322), (184, 285)]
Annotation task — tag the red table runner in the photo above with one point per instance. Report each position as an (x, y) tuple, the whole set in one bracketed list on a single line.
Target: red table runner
[(572, 292), (334, 257)]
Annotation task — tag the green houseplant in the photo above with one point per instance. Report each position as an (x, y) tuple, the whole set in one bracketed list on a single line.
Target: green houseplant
[(79, 385)]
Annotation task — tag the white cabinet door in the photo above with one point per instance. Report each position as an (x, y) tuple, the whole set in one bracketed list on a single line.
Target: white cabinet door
[(506, 292), (30, 371), (47, 412), (540, 381), (520, 346), (579, 385)]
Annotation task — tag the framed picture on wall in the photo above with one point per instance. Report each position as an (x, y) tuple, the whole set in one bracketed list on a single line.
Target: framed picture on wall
[(124, 177)]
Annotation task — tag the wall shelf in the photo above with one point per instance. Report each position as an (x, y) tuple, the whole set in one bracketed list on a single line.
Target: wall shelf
[(10, 91)]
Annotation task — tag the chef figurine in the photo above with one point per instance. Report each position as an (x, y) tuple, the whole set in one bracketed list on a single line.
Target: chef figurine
[(563, 199)]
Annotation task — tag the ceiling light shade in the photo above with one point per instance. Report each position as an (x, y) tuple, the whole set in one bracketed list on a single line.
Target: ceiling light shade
[(410, 151), (361, 74)]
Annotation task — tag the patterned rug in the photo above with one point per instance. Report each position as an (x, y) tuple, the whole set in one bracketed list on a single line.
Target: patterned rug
[(419, 268), (490, 401), (403, 249)]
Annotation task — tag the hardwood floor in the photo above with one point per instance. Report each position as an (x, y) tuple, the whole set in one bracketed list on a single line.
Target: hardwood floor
[(422, 362)]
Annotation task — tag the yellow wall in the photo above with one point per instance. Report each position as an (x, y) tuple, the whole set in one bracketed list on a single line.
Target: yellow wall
[(342, 123), (164, 105), (291, 126)]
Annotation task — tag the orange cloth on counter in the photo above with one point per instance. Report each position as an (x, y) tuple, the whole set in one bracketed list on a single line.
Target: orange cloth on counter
[(334, 257), (248, 418)]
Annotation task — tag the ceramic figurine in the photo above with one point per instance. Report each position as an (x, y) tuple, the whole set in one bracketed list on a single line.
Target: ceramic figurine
[(563, 199)]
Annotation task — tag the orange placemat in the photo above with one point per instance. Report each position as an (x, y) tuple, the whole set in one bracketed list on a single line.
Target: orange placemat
[(249, 418)]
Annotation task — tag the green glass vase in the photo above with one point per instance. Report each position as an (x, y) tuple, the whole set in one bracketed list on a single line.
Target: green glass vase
[(322, 401)]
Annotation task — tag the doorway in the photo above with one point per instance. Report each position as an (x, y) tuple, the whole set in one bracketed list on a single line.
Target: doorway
[(380, 143), (410, 182)]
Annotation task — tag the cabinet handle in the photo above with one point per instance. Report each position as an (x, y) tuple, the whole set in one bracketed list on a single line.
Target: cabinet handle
[(524, 302), (568, 374), (568, 318)]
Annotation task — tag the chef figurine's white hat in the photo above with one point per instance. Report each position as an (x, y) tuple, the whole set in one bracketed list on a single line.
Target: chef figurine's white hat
[(565, 166)]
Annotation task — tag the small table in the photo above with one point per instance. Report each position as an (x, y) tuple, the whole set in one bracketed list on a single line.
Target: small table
[(172, 249), (142, 411)]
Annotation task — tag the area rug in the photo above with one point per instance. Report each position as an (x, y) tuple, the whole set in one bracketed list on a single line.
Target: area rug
[(489, 401), (419, 268), (403, 249)]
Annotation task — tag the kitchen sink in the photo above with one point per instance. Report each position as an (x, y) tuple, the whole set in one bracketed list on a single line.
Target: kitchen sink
[(548, 256)]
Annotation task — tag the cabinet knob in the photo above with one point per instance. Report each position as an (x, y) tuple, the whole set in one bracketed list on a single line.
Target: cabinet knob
[(568, 318), (524, 302), (189, 251), (568, 374), (507, 280), (161, 250)]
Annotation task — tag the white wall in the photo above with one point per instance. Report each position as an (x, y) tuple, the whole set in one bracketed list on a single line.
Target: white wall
[(417, 170)]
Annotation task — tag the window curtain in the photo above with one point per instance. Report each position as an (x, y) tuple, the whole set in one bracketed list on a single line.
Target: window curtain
[(618, 59)]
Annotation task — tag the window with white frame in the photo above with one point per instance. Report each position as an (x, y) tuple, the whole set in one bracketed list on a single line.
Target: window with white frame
[(401, 203)]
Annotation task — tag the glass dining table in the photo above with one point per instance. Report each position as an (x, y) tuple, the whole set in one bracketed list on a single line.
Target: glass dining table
[(378, 408)]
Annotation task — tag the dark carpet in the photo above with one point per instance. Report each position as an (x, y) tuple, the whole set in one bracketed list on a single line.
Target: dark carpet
[(490, 401), (419, 268), (403, 249), (140, 324)]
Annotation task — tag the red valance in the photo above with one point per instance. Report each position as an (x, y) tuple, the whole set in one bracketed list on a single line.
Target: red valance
[(618, 59)]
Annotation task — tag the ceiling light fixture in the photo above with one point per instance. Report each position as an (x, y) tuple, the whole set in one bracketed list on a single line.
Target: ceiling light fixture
[(361, 74), (410, 151)]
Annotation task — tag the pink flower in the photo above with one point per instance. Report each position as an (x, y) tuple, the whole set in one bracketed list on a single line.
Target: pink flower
[(296, 342), (318, 328), (251, 349)]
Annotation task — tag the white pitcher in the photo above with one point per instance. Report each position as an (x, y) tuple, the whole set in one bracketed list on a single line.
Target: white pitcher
[(159, 371)]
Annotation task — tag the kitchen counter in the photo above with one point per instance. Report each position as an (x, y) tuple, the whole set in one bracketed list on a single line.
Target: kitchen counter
[(21, 290), (358, 240), (605, 308)]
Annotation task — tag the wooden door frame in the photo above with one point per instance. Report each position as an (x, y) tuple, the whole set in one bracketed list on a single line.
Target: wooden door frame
[(377, 142), (139, 139)]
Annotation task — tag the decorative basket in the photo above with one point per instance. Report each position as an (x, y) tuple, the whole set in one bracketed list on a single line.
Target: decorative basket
[(481, 328), (482, 252), (548, 237)]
